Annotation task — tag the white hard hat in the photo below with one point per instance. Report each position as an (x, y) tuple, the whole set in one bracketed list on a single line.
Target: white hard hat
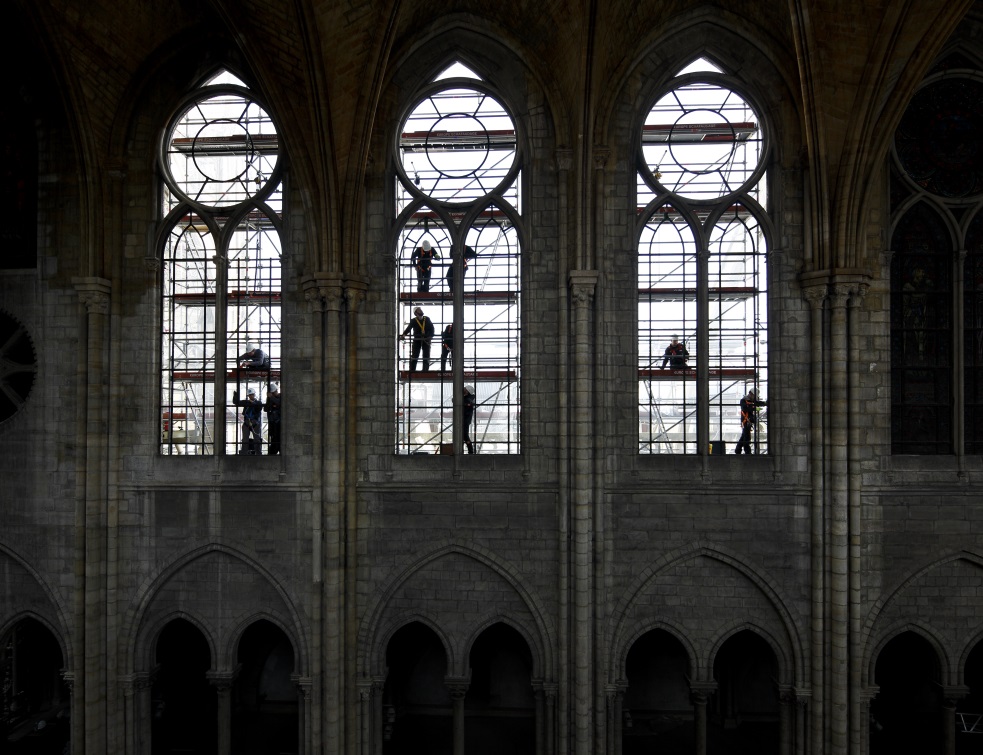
[(250, 346), (469, 389), (250, 391), (426, 246), (274, 387)]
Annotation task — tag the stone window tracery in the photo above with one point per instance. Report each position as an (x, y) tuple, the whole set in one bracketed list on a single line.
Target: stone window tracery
[(702, 278), (219, 243), (936, 273), (458, 259)]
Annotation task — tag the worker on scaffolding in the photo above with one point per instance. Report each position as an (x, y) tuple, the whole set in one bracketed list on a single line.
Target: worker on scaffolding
[(252, 413), (749, 419), (447, 347), (676, 355), (254, 358), (272, 409), (469, 254), (422, 259), (421, 327), (467, 416)]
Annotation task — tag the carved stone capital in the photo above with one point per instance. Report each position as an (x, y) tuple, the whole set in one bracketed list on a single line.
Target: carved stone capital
[(457, 686), (699, 692), (304, 684), (324, 292), (600, 156), (564, 159), (94, 294), (354, 298), (222, 680), (582, 286)]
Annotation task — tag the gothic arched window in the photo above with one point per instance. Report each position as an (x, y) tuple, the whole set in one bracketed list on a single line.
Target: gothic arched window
[(220, 251), (458, 253), (702, 278), (937, 265)]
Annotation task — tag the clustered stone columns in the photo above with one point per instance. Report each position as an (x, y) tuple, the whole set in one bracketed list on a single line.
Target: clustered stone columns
[(834, 300)]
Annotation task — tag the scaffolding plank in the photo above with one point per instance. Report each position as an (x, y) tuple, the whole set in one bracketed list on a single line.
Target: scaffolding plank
[(480, 297), (232, 374), (436, 376), (690, 373), (721, 293)]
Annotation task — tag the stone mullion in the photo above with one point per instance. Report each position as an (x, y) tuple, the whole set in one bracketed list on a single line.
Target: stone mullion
[(582, 284), (703, 351), (959, 361), (93, 368), (221, 347)]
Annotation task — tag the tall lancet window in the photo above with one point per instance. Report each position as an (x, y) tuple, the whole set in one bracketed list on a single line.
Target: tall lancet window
[(219, 246), (702, 276), (937, 265), (458, 248)]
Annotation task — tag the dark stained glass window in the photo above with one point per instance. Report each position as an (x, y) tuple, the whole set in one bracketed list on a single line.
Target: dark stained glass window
[(973, 336), (940, 139), (18, 189), (921, 334)]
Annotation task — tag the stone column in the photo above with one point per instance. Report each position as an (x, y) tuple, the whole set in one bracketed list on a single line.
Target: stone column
[(582, 285), (370, 715), (222, 682), (699, 695), (815, 293), (564, 186), (324, 293), (304, 685), (136, 712), (786, 708), (549, 723), (91, 536), (856, 442), (839, 552), (802, 698), (75, 722), (459, 689), (951, 695), (615, 698)]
